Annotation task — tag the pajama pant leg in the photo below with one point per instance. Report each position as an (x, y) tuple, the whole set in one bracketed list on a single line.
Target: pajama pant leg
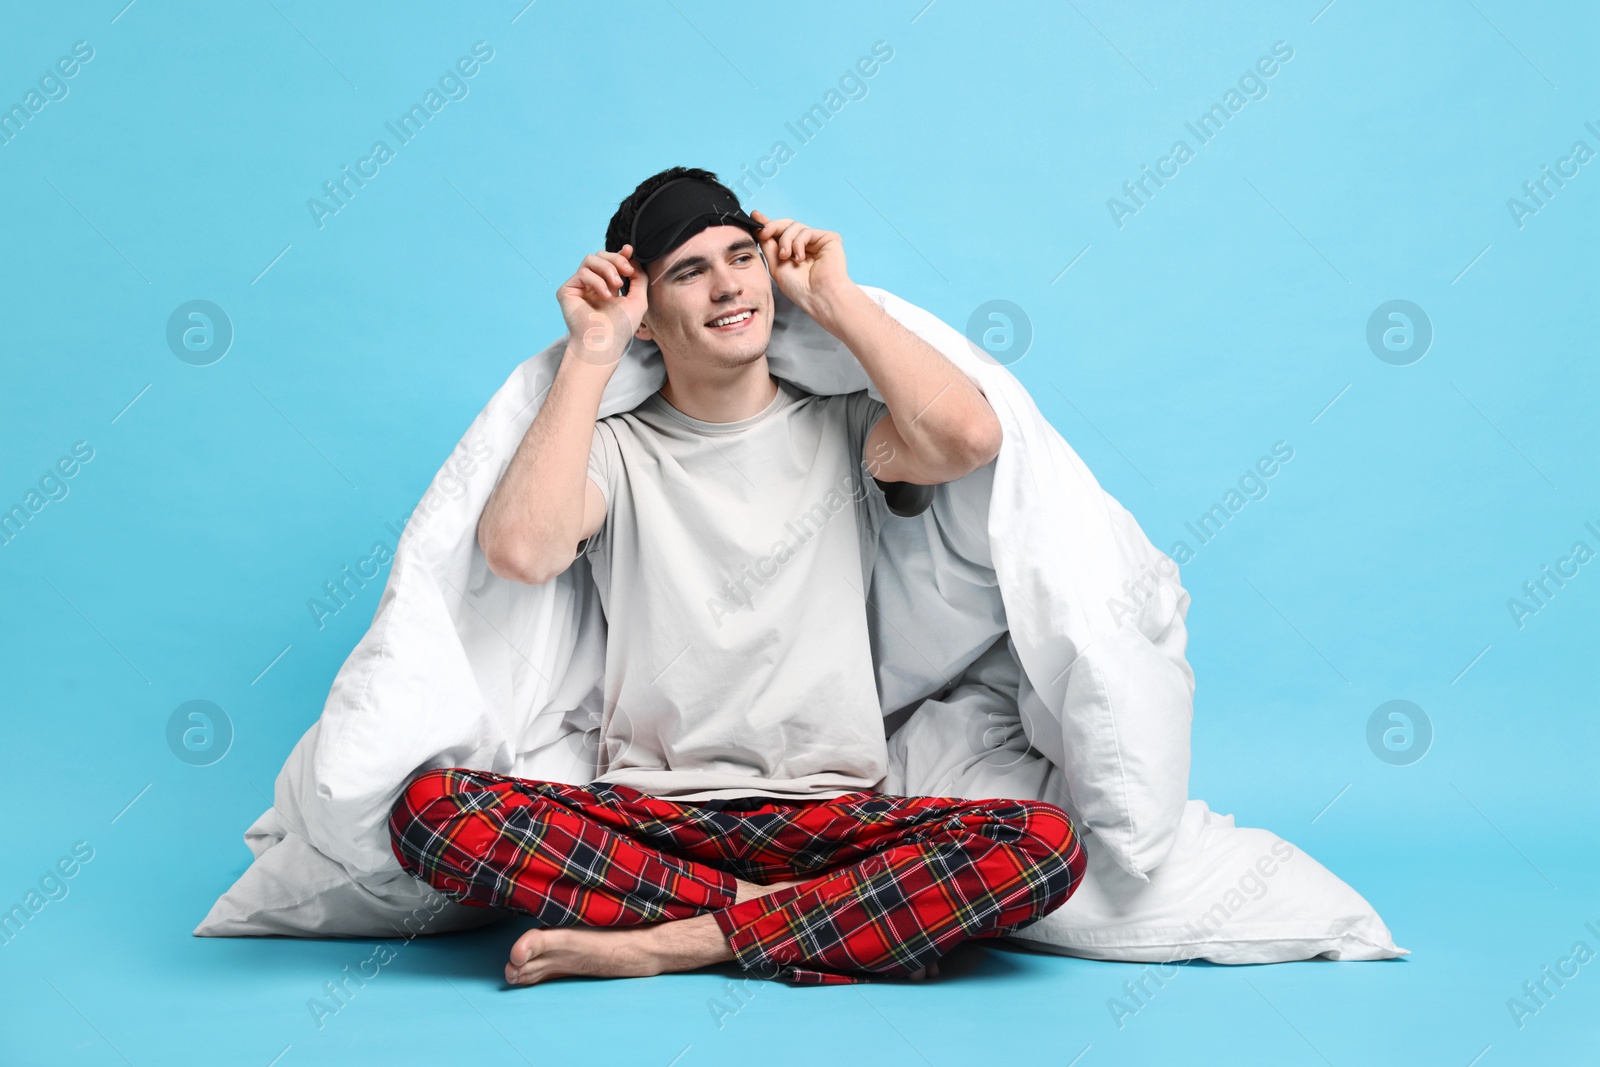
[(907, 878), (564, 854), (892, 883)]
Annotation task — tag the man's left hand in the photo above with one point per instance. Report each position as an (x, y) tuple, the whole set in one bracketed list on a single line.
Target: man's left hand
[(807, 264)]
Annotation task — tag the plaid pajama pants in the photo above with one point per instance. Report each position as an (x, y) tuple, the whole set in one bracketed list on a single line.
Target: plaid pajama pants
[(892, 883)]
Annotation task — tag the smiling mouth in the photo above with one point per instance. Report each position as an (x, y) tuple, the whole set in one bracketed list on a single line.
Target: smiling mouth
[(739, 320)]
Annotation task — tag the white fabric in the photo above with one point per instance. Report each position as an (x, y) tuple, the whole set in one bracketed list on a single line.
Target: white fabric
[(733, 565), (292, 890), (1224, 893), (461, 668)]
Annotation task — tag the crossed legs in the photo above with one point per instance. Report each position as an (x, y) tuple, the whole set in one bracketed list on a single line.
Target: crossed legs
[(814, 892)]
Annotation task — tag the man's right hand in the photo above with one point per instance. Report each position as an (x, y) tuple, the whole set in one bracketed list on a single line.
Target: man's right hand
[(600, 321)]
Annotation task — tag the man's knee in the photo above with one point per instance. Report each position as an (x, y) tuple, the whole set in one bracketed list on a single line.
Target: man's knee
[(422, 805), (434, 799), (1061, 850), (1050, 826), (424, 790), (1036, 825), (1044, 832)]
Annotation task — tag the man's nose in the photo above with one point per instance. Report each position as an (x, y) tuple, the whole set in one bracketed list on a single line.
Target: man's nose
[(725, 282)]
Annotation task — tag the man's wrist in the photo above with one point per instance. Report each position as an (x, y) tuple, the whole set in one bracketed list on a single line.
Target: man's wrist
[(591, 362), (841, 309)]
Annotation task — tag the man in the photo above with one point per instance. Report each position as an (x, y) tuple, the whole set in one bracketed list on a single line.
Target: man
[(736, 813)]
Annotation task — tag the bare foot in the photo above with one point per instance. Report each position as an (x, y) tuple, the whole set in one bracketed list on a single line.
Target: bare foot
[(579, 950), (617, 952), (930, 971), (626, 952)]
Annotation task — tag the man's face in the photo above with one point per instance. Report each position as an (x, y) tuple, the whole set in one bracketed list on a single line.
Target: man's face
[(715, 274)]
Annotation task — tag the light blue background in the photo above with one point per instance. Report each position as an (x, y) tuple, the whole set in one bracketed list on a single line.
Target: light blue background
[(1228, 314)]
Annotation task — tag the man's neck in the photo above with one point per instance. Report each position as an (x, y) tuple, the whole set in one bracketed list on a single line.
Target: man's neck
[(721, 394)]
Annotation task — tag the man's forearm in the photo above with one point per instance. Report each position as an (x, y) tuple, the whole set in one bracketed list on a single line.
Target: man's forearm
[(538, 502), (939, 412)]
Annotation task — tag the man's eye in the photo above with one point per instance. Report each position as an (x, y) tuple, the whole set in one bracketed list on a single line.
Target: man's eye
[(692, 271)]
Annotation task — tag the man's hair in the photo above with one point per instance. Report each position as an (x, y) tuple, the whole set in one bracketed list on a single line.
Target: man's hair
[(618, 232)]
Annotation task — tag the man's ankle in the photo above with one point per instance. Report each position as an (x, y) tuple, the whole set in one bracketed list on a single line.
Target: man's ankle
[(685, 944), (746, 890)]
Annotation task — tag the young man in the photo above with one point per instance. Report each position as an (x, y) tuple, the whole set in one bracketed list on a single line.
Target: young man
[(736, 815)]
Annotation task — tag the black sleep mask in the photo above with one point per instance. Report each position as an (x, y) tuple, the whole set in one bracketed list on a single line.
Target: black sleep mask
[(676, 212)]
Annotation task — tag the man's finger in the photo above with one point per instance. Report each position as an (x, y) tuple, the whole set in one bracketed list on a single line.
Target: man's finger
[(769, 248), (778, 226), (817, 240), (604, 268), (638, 284), (618, 261), (820, 239), (794, 242), (590, 280)]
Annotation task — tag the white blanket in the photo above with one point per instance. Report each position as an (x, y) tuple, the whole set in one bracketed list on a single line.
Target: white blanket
[(462, 668)]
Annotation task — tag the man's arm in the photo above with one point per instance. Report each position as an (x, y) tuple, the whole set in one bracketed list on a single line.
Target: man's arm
[(545, 502), (940, 425)]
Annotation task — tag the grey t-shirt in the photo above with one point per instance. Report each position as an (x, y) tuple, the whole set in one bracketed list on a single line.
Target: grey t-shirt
[(732, 566)]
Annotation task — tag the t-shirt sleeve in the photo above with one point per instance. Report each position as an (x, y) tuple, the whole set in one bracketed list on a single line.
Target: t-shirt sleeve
[(604, 462), (600, 462), (872, 509), (862, 414)]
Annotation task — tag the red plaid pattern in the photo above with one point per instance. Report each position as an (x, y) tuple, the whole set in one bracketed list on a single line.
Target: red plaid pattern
[(893, 882)]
